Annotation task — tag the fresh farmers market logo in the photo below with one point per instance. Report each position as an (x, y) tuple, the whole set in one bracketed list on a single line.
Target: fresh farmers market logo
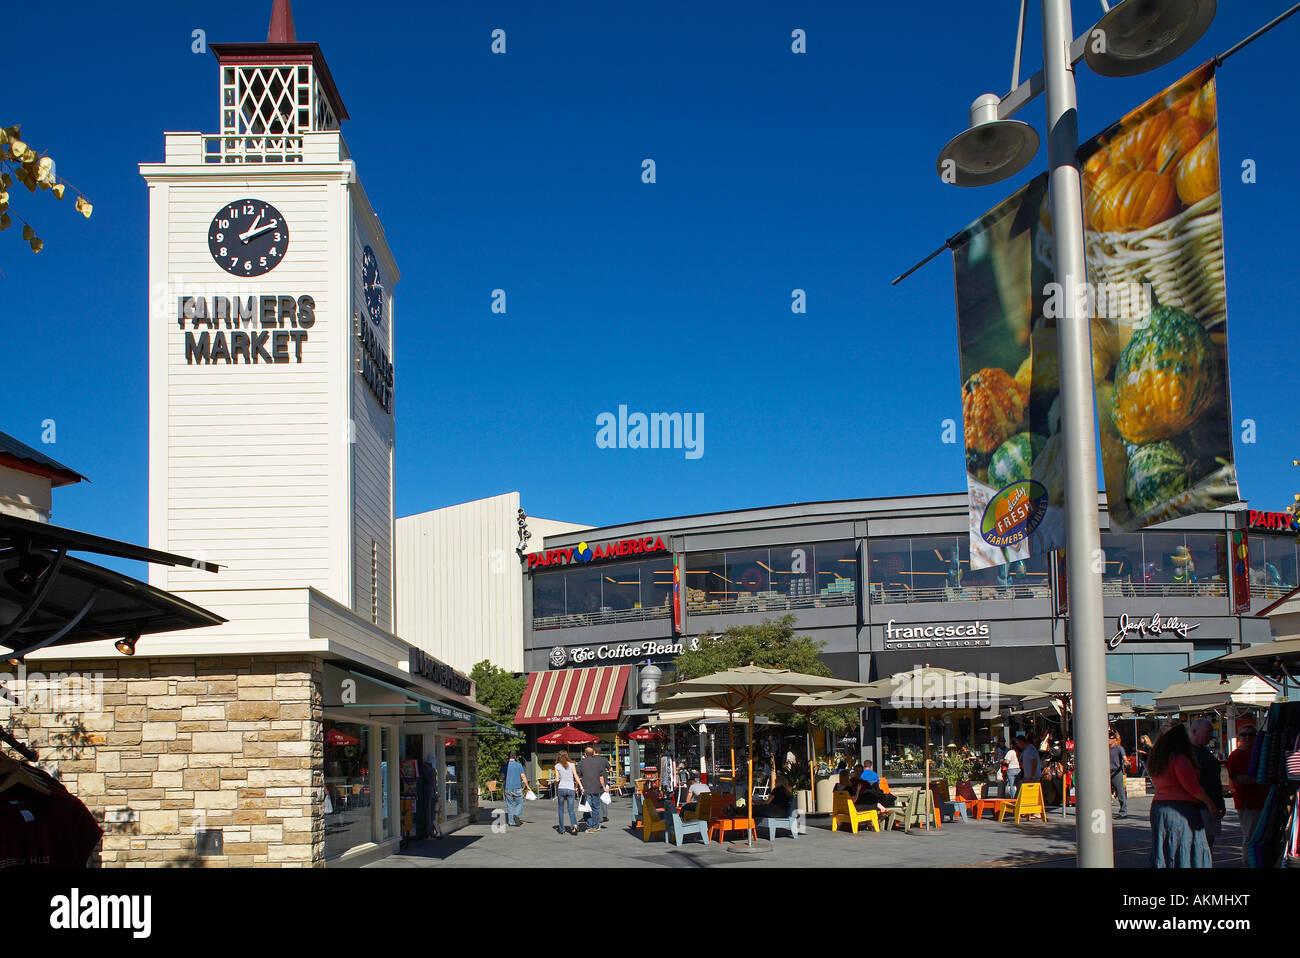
[(1155, 625), (1014, 513), (585, 552)]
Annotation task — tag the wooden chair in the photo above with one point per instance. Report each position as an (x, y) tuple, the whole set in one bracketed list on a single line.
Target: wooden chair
[(652, 823), (679, 829), (845, 811), (967, 797), (492, 789), (790, 824), (1028, 801), (700, 813)]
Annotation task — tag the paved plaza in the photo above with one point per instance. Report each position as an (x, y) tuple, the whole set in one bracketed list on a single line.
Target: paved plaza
[(956, 844)]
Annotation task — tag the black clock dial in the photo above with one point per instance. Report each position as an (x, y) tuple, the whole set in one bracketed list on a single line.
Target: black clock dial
[(372, 285), (248, 237)]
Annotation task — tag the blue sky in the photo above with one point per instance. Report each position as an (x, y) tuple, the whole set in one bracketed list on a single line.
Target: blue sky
[(522, 172)]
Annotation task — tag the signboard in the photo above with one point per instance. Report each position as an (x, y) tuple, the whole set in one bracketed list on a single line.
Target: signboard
[(1011, 382), (586, 552), (439, 673), (949, 635), (1273, 521), (577, 655), (1239, 559), (254, 330), (1154, 248), (1149, 626)]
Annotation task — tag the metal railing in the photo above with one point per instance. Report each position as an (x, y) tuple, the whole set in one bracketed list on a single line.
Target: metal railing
[(769, 603), (883, 596), (578, 620), (1188, 590)]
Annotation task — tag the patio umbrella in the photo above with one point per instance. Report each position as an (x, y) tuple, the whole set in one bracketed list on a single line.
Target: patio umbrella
[(752, 689), (567, 735), (338, 739), (806, 704), (1278, 660), (934, 688), (644, 735)]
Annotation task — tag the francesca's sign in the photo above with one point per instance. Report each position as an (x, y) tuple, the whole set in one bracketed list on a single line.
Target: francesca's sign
[(1276, 521), (585, 552), (561, 656), (1155, 625), (260, 330), (949, 635)]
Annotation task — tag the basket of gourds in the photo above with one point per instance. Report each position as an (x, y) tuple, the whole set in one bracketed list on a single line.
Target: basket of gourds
[(1152, 210)]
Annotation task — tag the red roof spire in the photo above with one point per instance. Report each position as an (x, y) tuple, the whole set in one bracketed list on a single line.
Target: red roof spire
[(281, 29)]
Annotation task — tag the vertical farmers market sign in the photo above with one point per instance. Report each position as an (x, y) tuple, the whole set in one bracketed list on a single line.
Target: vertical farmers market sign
[(1152, 216), (1010, 381)]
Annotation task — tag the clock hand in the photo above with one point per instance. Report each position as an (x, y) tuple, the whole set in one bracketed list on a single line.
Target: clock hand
[(254, 230), (249, 232)]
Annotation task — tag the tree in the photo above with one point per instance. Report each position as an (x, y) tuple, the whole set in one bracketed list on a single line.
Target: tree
[(771, 644), (20, 162), (500, 691)]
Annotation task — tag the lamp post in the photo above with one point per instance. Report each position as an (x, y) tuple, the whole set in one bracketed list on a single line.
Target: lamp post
[(1135, 36)]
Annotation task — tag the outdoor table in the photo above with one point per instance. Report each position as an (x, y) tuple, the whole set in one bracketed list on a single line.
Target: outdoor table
[(731, 824), (994, 805)]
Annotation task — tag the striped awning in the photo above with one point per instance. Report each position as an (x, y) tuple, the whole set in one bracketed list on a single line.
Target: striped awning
[(573, 695)]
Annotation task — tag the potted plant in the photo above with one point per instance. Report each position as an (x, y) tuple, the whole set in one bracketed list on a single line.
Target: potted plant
[(801, 782)]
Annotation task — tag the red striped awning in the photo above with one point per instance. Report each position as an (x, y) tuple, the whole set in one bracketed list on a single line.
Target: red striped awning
[(573, 695)]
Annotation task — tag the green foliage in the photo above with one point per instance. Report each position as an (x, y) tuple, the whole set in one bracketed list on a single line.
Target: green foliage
[(19, 163), (500, 691), (956, 766), (771, 644)]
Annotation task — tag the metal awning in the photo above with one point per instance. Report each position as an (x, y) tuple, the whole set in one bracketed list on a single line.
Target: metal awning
[(573, 695), (424, 705), (48, 598)]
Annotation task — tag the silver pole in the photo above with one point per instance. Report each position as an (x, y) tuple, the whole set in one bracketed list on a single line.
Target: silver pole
[(1093, 825)]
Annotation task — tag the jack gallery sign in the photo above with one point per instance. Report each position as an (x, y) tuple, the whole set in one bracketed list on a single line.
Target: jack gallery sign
[(585, 552), (1155, 625)]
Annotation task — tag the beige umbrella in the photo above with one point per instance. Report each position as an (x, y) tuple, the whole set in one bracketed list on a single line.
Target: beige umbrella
[(934, 688), (806, 704), (752, 689)]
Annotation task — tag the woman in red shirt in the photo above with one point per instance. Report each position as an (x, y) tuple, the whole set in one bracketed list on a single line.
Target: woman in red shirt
[(1177, 826)]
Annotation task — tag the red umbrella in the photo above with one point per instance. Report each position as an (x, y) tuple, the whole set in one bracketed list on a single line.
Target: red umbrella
[(568, 735), (334, 737), (646, 734), (449, 742)]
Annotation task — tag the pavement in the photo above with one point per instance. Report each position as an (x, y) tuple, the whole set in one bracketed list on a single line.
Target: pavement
[(986, 844)]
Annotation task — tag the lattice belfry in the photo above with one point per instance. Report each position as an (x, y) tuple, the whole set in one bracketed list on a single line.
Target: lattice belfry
[(265, 109)]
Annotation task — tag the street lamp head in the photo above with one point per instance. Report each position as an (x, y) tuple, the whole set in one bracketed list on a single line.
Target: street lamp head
[(990, 151), (1141, 35)]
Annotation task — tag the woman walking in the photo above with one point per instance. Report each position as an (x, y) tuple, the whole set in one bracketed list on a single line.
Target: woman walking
[(1177, 825), (566, 789)]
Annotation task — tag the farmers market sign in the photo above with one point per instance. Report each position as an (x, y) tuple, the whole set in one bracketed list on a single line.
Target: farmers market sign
[(1155, 625)]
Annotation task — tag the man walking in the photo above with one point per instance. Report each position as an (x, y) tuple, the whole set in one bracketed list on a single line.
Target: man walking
[(591, 775), (515, 783), (1031, 769), (1247, 795), (1117, 759), (1200, 732)]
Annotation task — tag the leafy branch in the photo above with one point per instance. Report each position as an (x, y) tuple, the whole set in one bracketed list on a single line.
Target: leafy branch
[(20, 163)]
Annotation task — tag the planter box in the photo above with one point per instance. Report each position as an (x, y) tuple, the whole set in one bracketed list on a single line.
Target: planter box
[(1135, 787)]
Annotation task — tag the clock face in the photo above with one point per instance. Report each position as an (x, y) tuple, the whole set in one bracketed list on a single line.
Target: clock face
[(370, 282), (248, 237)]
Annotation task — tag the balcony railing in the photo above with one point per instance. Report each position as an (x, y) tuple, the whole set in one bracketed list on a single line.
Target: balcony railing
[(603, 617), (763, 602), (894, 594), (1157, 590)]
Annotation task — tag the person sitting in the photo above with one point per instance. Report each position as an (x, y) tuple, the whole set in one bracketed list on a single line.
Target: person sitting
[(869, 775), (698, 788), (779, 804), (867, 795), (843, 784)]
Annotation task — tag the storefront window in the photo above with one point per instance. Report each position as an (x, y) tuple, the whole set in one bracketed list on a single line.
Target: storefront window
[(348, 816), (385, 763), (1122, 569), (937, 569), (548, 595), (903, 739), (592, 595), (837, 569), (1170, 564), (582, 590), (776, 579), (1273, 567), (657, 585), (454, 775), (748, 575)]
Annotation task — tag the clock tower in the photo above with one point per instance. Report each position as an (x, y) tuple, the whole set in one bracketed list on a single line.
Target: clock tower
[(271, 388)]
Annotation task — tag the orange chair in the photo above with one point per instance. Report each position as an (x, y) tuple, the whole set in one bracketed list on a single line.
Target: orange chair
[(845, 811)]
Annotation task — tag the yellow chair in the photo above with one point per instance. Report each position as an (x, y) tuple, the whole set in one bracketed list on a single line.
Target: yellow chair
[(846, 812), (651, 823), (1029, 801)]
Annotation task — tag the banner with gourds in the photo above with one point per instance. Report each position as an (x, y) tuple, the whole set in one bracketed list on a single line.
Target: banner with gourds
[(1153, 223), (1156, 302)]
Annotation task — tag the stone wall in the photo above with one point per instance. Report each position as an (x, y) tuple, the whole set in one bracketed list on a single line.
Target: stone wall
[(230, 742)]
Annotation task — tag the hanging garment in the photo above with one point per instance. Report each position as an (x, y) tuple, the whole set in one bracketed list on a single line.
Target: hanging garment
[(45, 831)]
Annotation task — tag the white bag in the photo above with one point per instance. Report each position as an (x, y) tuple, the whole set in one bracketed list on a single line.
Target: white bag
[(604, 797), (585, 807), (531, 796)]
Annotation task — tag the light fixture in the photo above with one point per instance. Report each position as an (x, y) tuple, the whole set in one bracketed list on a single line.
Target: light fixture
[(26, 575), (126, 644), (1140, 35), (990, 151)]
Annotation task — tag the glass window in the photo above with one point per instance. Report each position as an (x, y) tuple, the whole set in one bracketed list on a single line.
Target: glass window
[(1122, 569), (795, 572), (706, 579), (1272, 566), (348, 818), (748, 573), (454, 774), (936, 567), (385, 763), (548, 594), (1208, 561), (657, 584), (583, 590), (837, 569), (1158, 552), (890, 575), (621, 586)]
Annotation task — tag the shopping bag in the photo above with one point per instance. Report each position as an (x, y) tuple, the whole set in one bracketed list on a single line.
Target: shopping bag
[(531, 796), (585, 807), (604, 797)]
